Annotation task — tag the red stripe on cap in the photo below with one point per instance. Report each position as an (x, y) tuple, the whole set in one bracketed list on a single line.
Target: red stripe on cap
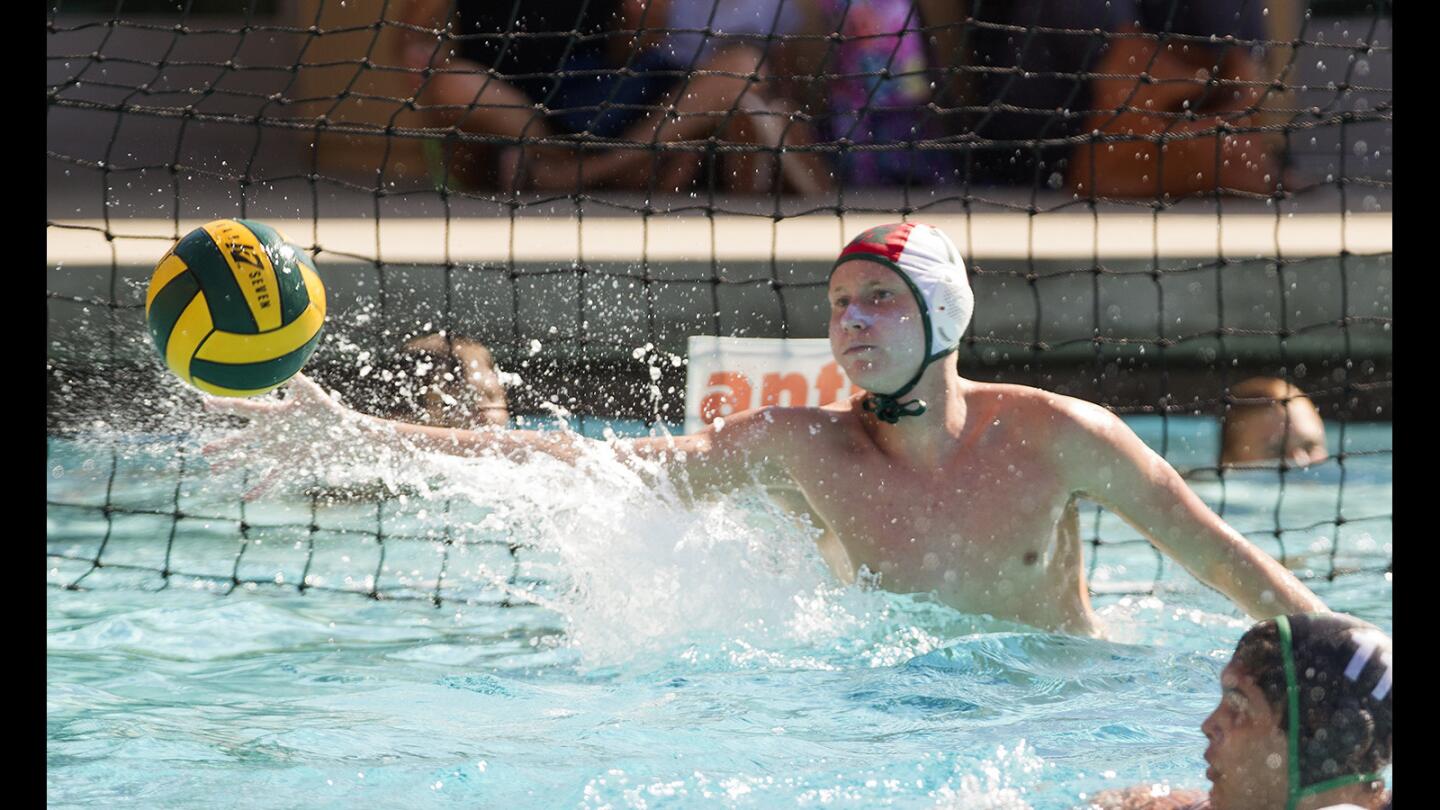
[(881, 240)]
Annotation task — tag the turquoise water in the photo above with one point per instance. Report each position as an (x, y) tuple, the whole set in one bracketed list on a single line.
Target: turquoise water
[(654, 655)]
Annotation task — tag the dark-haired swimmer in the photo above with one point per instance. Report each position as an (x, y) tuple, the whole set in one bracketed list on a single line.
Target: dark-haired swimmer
[(1304, 722), (931, 482)]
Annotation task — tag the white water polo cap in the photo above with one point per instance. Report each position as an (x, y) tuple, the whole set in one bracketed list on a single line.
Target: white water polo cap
[(931, 266)]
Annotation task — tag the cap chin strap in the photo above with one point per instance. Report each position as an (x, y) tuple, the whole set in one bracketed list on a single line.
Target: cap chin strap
[(1292, 697), (888, 408)]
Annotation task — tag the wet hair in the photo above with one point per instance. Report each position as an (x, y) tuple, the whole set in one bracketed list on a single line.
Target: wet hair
[(1343, 686), (1271, 388)]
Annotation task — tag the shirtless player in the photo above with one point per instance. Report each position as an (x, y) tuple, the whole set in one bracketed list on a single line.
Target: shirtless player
[(965, 489)]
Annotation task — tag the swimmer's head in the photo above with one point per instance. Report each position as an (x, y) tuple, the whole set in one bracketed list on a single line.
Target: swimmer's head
[(1317, 722), (899, 301), (1271, 419)]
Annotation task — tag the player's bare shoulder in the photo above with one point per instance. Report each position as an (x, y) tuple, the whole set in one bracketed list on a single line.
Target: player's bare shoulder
[(808, 428), (776, 428), (1039, 414), (1066, 437), (1089, 442)]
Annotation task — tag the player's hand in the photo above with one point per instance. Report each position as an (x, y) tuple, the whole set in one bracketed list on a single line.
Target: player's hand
[(293, 436)]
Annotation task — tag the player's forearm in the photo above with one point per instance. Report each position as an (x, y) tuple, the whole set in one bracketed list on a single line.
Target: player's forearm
[(1221, 558), (1162, 507), (713, 462), (1256, 581), (1139, 485), (514, 444)]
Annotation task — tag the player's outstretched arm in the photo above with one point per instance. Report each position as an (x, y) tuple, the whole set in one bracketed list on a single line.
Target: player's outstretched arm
[(309, 427), (744, 449), (1115, 468)]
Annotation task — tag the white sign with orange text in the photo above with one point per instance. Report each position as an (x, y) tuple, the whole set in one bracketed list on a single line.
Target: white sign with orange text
[(728, 375)]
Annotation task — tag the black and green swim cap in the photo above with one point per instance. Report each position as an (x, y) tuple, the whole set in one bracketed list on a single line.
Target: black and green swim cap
[(1337, 707)]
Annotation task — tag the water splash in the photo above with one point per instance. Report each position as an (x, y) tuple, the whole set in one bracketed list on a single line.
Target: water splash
[(634, 568)]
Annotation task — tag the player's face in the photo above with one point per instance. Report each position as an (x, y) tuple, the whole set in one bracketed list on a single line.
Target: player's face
[(876, 332), (1247, 753)]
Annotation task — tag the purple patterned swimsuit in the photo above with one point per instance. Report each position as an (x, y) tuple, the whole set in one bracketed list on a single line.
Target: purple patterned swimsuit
[(868, 108)]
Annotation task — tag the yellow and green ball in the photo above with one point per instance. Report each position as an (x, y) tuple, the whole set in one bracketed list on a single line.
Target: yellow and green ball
[(235, 309)]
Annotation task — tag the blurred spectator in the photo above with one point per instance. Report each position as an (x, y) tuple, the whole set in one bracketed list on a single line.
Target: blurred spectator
[(1156, 70), (1272, 419), (869, 73), (876, 83), (601, 68), (765, 117), (490, 82)]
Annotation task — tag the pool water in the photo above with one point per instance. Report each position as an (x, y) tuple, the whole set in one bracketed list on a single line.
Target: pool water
[(633, 652)]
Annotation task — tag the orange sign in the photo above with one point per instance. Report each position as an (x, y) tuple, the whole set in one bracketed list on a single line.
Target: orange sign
[(730, 375)]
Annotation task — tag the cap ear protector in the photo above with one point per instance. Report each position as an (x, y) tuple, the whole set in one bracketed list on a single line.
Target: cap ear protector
[(931, 267), (1365, 641)]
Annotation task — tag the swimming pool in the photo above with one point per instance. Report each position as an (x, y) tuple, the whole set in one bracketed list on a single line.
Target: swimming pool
[(650, 656)]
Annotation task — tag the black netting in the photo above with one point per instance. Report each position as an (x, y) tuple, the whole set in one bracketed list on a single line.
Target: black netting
[(1157, 202)]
